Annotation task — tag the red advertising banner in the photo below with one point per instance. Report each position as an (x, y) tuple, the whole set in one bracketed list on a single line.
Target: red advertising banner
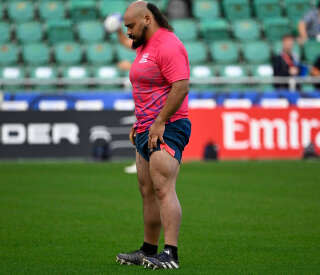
[(254, 133)]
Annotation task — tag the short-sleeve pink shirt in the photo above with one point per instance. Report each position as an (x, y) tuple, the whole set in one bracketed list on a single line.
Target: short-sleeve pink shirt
[(160, 62)]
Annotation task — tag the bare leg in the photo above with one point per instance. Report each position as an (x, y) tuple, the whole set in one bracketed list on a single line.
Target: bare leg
[(151, 211), (164, 170)]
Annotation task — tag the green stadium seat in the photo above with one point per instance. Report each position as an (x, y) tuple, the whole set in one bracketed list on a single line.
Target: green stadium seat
[(277, 49), (60, 31), (197, 52), (214, 29), (246, 30), (76, 73), (5, 31), (1, 10), (106, 73), (206, 9), (276, 28), (161, 4), (9, 54), (20, 11), (83, 10), (29, 32), (36, 54), (185, 29), (225, 52), (256, 52), (267, 9), (68, 53), (199, 72), (43, 74), (236, 9), (14, 75), (311, 51), (262, 70), (232, 71), (297, 8), (107, 7), (51, 10), (99, 53), (91, 31), (125, 54)]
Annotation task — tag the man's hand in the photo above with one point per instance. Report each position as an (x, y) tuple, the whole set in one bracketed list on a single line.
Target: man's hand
[(293, 71), (132, 136), (156, 132)]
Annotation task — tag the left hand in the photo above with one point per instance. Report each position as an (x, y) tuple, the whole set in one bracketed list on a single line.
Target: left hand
[(156, 132)]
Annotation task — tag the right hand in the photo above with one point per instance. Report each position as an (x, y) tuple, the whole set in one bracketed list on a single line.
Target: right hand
[(132, 136), (293, 71)]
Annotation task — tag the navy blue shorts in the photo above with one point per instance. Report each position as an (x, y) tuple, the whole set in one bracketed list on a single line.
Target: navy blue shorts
[(176, 136)]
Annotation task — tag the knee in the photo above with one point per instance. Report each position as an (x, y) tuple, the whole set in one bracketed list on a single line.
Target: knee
[(146, 189), (160, 192)]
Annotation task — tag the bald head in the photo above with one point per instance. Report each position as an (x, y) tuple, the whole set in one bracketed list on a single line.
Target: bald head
[(137, 8), (140, 23)]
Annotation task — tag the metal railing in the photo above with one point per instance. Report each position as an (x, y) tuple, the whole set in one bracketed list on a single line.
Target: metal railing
[(292, 82)]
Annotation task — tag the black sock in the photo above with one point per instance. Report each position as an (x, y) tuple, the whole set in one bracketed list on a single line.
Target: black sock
[(173, 249), (149, 249)]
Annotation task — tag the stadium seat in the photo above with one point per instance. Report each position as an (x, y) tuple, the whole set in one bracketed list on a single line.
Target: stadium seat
[(49, 10), (99, 53), (232, 72), (197, 52), (5, 31), (311, 51), (68, 53), (276, 28), (277, 49), (124, 53), (214, 29), (226, 52), (236, 9), (246, 29), (91, 31), (297, 8), (199, 72), (76, 74), (1, 11), (60, 31), (29, 32), (9, 54), (267, 9), (83, 10), (36, 54), (263, 71), (107, 7), (185, 29), (20, 11), (256, 52), (43, 73), (161, 4), (106, 73), (206, 9), (13, 74)]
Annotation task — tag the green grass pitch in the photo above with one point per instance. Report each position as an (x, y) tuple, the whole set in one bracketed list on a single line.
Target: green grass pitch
[(238, 218)]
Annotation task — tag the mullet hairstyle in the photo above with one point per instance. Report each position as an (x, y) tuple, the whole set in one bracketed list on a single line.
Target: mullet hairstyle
[(159, 17)]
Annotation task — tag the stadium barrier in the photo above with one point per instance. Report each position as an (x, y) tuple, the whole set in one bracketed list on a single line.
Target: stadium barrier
[(124, 81), (69, 134), (254, 133)]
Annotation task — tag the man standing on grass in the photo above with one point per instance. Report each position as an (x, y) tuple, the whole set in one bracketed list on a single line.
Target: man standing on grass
[(160, 80)]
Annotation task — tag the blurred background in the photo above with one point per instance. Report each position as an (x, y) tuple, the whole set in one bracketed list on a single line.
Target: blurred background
[(65, 90)]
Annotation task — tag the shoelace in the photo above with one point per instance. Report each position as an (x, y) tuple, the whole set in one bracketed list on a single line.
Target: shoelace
[(163, 257)]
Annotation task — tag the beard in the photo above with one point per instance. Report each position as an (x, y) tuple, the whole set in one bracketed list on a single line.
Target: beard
[(140, 40)]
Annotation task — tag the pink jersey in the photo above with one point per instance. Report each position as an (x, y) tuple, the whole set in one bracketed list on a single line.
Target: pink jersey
[(160, 62)]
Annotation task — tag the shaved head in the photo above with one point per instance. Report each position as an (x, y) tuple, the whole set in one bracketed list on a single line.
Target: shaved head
[(142, 20)]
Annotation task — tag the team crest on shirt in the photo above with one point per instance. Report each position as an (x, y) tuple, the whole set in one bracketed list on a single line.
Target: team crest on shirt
[(144, 58)]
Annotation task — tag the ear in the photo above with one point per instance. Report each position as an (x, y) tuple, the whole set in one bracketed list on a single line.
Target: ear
[(147, 19)]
